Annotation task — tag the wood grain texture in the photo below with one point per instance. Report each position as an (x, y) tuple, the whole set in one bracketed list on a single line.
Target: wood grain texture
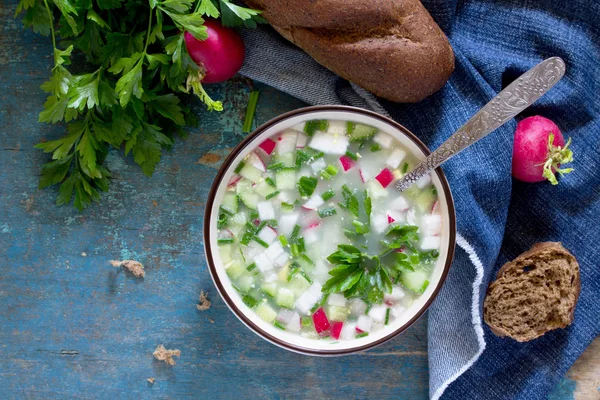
[(586, 372), (73, 326)]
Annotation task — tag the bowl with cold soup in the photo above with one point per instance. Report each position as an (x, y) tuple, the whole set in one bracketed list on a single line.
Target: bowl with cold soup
[(307, 240)]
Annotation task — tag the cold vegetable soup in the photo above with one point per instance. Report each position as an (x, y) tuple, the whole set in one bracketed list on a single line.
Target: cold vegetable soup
[(315, 238)]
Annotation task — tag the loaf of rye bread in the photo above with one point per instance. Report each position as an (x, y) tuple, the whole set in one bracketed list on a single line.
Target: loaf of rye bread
[(392, 48), (533, 294)]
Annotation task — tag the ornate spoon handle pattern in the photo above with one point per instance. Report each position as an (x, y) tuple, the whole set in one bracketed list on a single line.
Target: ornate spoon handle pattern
[(516, 97)]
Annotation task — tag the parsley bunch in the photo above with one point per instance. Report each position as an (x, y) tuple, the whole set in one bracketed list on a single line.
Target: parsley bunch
[(128, 91)]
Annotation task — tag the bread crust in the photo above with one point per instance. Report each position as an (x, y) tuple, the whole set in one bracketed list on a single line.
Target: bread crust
[(391, 48), (553, 249)]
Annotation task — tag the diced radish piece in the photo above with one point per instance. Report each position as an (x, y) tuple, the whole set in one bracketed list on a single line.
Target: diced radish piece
[(268, 146), (329, 144), (286, 142), (263, 263), (256, 162), (287, 222), (252, 250), (337, 128), (395, 216), (271, 278), (286, 196), (295, 323), (378, 313), (314, 202), (318, 165), (313, 224), (397, 311), (265, 210), (383, 139), (281, 260), (411, 219), (364, 175), (397, 294), (423, 181), (399, 204), (385, 177), (336, 329), (346, 162), (358, 307), (308, 299), (379, 223), (435, 209), (274, 250), (267, 235), (337, 299), (395, 158), (299, 127), (431, 225), (431, 243), (285, 315), (234, 180), (364, 323), (304, 172), (348, 331), (321, 322), (301, 141), (311, 236)]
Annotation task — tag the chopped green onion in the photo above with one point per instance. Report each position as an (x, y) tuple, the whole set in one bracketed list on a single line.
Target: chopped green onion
[(405, 168), (246, 238), (225, 241), (387, 316), (433, 190), (306, 185), (283, 240), (327, 212), (260, 226), (295, 250), (375, 147), (239, 167), (301, 158), (270, 181), (301, 247), (237, 289), (307, 259), (328, 194), (362, 334), (226, 210), (306, 277), (310, 127), (254, 215), (250, 301), (271, 195), (293, 272), (276, 166), (222, 221), (352, 155), (368, 308), (251, 267), (252, 101), (272, 223), (287, 206), (306, 322), (277, 324), (329, 172), (295, 233), (260, 241)]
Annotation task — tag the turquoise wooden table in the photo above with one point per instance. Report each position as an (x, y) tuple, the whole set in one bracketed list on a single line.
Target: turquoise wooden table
[(73, 326)]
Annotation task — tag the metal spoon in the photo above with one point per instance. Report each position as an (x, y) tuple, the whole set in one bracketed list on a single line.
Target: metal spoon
[(516, 97)]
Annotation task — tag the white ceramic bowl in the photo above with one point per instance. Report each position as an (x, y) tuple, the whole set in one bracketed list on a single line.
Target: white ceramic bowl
[(292, 341)]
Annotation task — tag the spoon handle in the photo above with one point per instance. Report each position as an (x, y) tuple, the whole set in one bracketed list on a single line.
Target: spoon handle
[(516, 97)]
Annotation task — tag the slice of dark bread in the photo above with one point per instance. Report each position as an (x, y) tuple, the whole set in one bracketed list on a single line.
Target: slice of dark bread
[(533, 294)]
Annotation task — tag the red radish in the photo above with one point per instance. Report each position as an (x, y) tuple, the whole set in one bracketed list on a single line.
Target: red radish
[(358, 330), (313, 224), (234, 180), (539, 150), (385, 177), (321, 322), (435, 209), (221, 54), (336, 329), (268, 146), (346, 162), (363, 176), (390, 219), (257, 162)]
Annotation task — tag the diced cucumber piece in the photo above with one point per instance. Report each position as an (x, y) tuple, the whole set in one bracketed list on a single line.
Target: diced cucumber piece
[(230, 203), (299, 284), (285, 298), (414, 280), (247, 194), (359, 132), (244, 282), (288, 159), (225, 252), (264, 189), (425, 200), (375, 189), (285, 179), (265, 312), (284, 273), (269, 288), (239, 219), (337, 313), (251, 173), (412, 192), (235, 269)]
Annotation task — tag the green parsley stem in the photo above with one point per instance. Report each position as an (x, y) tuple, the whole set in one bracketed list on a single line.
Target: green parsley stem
[(51, 28), (250, 111)]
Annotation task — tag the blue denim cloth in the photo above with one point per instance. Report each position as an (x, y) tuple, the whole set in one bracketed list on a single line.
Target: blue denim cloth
[(498, 217)]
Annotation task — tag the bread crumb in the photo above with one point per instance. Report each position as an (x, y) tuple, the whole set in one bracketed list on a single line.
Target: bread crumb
[(165, 355), (151, 380), (212, 321), (84, 254), (204, 302), (135, 267), (155, 203)]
